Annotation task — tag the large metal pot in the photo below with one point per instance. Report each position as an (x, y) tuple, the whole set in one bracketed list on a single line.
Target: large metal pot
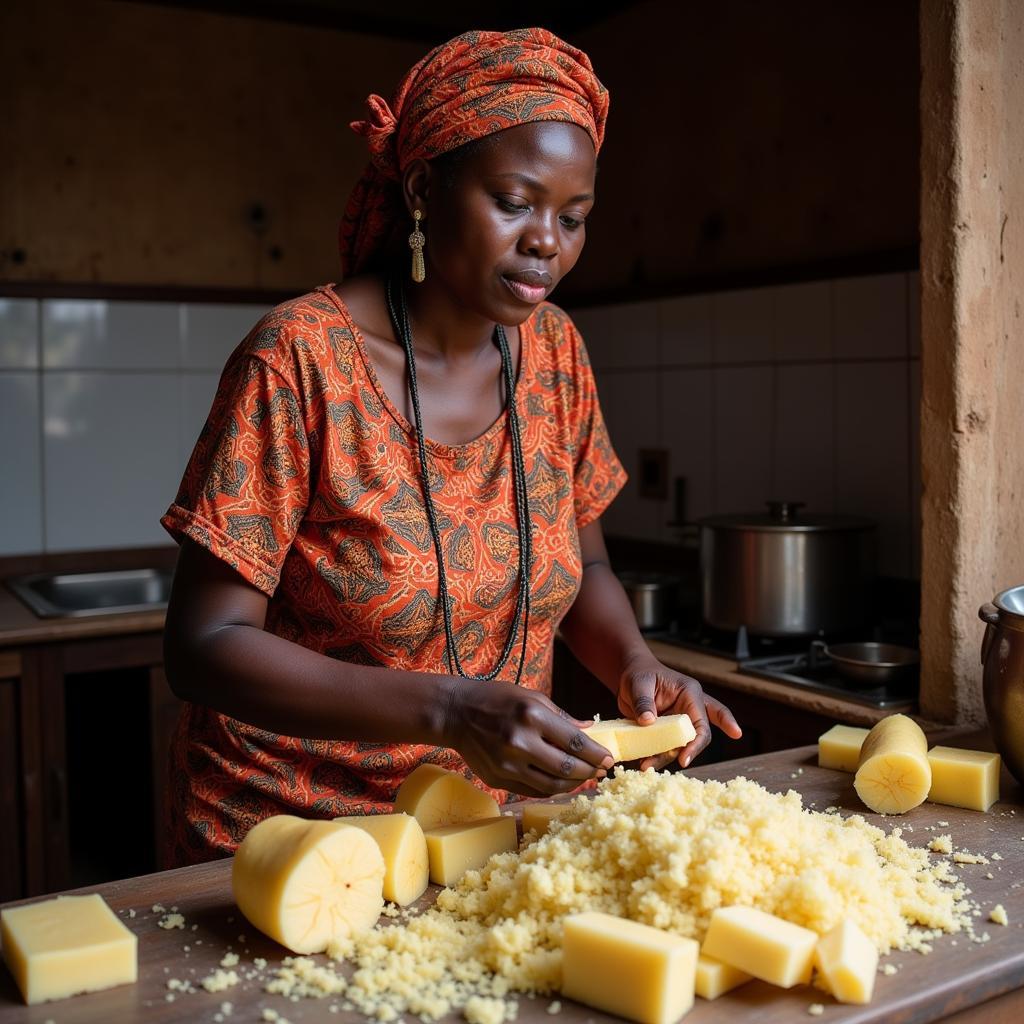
[(783, 574), (1002, 654)]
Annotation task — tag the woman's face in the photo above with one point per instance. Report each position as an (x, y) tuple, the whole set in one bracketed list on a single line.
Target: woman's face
[(508, 225)]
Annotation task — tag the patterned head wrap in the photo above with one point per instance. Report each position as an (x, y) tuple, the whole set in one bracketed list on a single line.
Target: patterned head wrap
[(474, 85)]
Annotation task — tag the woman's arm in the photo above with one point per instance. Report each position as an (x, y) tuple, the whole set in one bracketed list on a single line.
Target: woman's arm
[(602, 633), (217, 653)]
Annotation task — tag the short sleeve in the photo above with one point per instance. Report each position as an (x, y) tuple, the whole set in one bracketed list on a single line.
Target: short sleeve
[(598, 473), (246, 486)]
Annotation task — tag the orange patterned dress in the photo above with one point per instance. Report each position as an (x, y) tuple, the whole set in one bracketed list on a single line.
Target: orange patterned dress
[(305, 479)]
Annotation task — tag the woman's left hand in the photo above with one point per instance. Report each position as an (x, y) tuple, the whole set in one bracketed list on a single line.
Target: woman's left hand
[(647, 688)]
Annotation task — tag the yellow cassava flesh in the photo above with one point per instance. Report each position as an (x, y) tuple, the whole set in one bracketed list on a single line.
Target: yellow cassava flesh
[(307, 884), (627, 741), (404, 847), (436, 797), (893, 774)]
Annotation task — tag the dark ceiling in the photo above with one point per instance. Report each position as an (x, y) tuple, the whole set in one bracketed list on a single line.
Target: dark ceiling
[(429, 21)]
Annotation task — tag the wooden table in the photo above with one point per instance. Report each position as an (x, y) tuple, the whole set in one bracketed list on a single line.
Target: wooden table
[(948, 983)]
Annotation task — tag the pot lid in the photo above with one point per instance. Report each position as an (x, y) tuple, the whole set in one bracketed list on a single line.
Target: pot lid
[(786, 517)]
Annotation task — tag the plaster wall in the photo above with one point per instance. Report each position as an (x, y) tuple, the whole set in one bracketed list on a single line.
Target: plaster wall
[(972, 280)]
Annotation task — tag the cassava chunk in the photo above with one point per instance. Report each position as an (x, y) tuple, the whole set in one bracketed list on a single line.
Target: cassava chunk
[(308, 883), (435, 798), (893, 774)]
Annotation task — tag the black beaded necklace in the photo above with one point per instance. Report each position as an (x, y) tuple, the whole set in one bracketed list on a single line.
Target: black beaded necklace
[(400, 322)]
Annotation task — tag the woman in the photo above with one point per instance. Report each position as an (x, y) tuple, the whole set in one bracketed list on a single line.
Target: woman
[(377, 544)]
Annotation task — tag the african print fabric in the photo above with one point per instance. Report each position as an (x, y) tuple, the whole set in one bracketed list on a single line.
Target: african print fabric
[(473, 85), (306, 480)]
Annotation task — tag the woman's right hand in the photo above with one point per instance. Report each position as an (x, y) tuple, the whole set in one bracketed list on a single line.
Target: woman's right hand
[(517, 739)]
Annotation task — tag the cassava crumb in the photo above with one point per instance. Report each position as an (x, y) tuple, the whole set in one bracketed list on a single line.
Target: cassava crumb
[(963, 857), (889, 969), (998, 915), (229, 960), (170, 921), (131, 913), (941, 844), (816, 1009), (555, 1006), (219, 980)]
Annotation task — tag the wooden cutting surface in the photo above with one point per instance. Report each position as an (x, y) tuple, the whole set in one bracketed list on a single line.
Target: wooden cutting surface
[(958, 975)]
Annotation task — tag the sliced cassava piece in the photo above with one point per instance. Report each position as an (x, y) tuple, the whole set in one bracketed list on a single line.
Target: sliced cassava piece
[(538, 816), (848, 962), (893, 774), (435, 797), (67, 945), (308, 883), (404, 847), (761, 944), (629, 969), (627, 741), (964, 778), (716, 977), (455, 849), (839, 748)]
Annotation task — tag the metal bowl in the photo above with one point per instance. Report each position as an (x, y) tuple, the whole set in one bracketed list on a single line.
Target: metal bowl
[(871, 664)]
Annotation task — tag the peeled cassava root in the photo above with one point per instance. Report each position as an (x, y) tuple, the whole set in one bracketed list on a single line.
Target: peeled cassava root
[(308, 883), (893, 774)]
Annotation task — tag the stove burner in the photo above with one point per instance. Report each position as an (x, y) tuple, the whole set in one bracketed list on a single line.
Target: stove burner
[(797, 661)]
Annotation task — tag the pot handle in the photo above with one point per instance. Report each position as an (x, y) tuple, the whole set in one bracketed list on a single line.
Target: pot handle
[(989, 614), (819, 649)]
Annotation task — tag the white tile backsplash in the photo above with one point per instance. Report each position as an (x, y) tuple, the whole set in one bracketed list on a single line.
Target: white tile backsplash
[(915, 468), (803, 321), (94, 334), (630, 406), (211, 332), (872, 455), (742, 325), (825, 412), (19, 334), (622, 337), (685, 330), (197, 393), (870, 317), (21, 531), (687, 417), (914, 313), (111, 456), (804, 438), (743, 404)]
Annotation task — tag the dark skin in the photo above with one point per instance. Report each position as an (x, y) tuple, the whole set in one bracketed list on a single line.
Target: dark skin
[(517, 207)]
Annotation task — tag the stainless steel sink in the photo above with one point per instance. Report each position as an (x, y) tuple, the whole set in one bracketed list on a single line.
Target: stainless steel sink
[(52, 595)]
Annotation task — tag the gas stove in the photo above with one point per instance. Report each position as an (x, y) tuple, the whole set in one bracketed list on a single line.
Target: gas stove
[(795, 662)]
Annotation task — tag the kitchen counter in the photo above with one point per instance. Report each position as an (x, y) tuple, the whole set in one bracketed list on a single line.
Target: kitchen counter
[(953, 978), (710, 668), (20, 626)]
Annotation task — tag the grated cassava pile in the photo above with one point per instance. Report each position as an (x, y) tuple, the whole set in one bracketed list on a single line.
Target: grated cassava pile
[(662, 849)]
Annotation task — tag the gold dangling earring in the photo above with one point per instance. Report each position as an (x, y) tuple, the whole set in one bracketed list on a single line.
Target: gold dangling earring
[(416, 242)]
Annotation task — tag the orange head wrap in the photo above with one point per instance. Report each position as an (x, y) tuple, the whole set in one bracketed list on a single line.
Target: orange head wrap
[(474, 85)]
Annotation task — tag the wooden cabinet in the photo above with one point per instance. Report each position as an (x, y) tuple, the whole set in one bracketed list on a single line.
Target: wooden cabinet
[(86, 726)]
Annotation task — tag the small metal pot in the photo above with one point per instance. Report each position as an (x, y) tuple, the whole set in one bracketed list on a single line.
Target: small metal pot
[(1002, 654), (784, 575), (869, 664), (653, 596)]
